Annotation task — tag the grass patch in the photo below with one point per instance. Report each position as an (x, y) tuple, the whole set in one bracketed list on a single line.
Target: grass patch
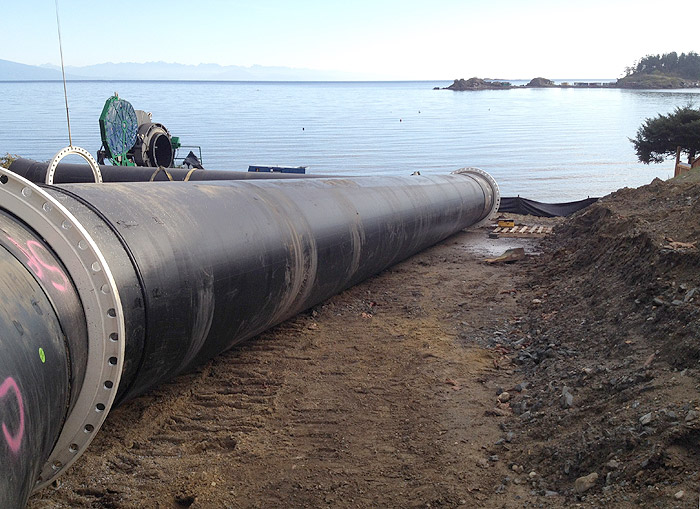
[(7, 160)]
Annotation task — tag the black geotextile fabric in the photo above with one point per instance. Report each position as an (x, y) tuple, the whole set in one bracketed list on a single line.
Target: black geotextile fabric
[(524, 206)]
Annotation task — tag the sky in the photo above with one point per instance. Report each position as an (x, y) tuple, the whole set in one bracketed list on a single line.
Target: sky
[(369, 39)]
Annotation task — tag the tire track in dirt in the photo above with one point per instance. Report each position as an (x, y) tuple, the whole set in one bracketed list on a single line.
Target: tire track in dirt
[(187, 426), (372, 399)]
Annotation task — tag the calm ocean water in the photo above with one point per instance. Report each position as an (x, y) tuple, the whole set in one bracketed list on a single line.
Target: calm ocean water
[(544, 144)]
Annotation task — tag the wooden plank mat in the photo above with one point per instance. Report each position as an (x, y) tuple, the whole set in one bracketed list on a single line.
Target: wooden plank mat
[(533, 232)]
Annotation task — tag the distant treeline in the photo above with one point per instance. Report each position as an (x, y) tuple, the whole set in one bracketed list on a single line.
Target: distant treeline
[(685, 65)]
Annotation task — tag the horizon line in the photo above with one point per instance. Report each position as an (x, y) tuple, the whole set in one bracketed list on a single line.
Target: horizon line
[(422, 80)]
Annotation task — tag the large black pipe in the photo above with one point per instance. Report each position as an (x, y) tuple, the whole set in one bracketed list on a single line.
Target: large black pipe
[(108, 290), (67, 173)]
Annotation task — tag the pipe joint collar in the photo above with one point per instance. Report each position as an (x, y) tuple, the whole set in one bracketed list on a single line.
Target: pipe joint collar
[(491, 191), (98, 293)]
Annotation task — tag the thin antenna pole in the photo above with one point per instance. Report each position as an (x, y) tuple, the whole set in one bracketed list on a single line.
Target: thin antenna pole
[(63, 71)]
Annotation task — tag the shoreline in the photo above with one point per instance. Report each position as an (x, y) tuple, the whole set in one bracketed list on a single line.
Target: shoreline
[(634, 82)]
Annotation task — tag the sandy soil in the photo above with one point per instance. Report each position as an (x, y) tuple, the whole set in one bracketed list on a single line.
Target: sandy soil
[(569, 378)]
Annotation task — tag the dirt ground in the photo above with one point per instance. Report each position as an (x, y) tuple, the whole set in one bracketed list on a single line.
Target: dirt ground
[(569, 378)]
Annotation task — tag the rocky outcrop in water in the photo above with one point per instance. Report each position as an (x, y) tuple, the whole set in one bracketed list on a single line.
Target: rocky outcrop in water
[(478, 84), (541, 83), (655, 81)]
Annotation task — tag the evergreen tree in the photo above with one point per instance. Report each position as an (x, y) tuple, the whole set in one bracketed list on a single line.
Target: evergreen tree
[(659, 137), (685, 65)]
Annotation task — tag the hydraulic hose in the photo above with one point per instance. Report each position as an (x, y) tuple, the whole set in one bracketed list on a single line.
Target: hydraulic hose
[(108, 290)]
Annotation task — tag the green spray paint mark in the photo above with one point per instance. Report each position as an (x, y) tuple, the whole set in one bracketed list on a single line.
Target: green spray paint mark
[(42, 355)]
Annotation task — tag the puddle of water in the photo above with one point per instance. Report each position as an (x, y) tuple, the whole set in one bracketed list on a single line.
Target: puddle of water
[(478, 243)]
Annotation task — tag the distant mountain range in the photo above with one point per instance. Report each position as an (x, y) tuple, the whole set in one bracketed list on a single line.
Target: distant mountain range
[(13, 71)]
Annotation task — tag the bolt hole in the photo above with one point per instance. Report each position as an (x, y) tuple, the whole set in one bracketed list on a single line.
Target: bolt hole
[(114, 336), (109, 384), (112, 312), (73, 448), (113, 361), (89, 428), (26, 192), (100, 407), (56, 465), (4, 179), (47, 207)]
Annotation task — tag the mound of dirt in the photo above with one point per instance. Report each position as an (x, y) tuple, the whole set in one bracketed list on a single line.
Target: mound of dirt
[(609, 349)]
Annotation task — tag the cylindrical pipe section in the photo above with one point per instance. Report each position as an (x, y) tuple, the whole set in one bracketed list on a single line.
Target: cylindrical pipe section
[(183, 271), (28, 386), (67, 173), (267, 250), (61, 338), (44, 356)]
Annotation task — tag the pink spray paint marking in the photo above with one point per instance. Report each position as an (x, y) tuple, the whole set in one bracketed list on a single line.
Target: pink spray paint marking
[(14, 441), (44, 271)]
